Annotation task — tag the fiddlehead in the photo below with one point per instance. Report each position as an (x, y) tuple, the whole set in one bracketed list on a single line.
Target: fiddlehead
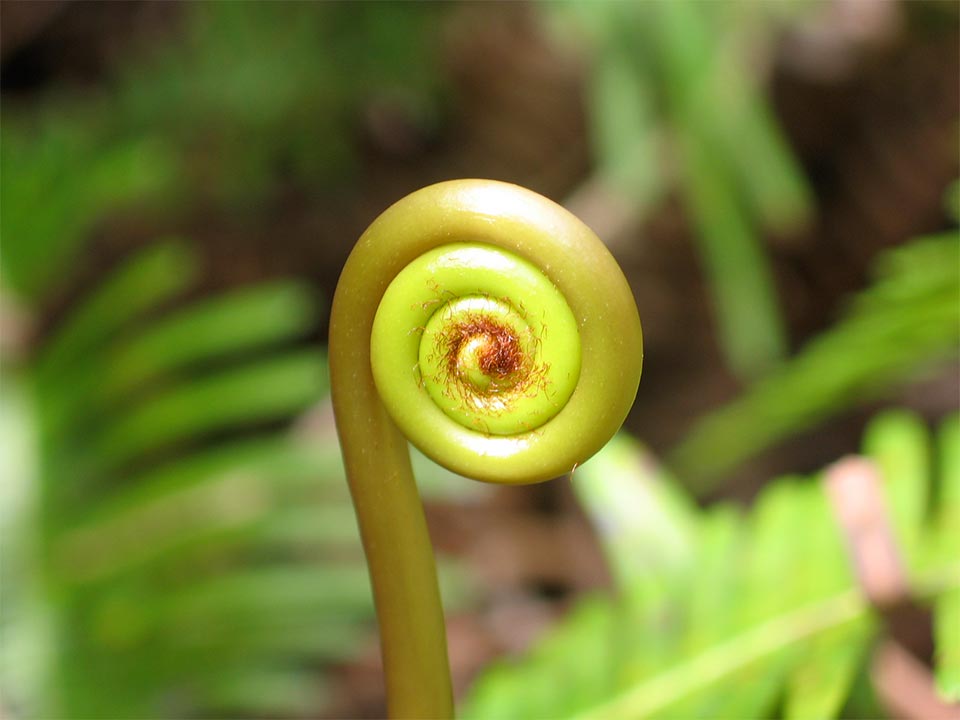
[(494, 330)]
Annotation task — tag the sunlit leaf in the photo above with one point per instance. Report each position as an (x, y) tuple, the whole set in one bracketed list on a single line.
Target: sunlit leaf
[(908, 320), (645, 524), (770, 616), (946, 613), (822, 679), (899, 445)]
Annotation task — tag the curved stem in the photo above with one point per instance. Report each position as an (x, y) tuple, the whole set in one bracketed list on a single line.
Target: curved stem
[(376, 458), (399, 553), (392, 524)]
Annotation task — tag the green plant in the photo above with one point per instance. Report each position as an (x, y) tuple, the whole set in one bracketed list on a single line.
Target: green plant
[(721, 613), (905, 323), (170, 549), (62, 174), (285, 107), (674, 90), (172, 129), (470, 268)]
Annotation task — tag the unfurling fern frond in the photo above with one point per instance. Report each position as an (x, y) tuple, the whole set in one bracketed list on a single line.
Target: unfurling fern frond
[(722, 613)]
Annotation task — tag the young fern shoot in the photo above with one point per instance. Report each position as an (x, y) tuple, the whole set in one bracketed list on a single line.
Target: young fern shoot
[(493, 330)]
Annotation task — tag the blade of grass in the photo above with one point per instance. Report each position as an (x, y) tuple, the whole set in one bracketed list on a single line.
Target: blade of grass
[(623, 129)]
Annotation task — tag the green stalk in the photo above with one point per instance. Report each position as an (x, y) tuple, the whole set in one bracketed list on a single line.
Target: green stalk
[(459, 382)]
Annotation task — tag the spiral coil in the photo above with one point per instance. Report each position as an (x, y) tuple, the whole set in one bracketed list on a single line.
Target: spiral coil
[(493, 330), (507, 323), (448, 335)]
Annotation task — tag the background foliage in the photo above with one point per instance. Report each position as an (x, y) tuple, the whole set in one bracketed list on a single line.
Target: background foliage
[(178, 187), (721, 614), (194, 555)]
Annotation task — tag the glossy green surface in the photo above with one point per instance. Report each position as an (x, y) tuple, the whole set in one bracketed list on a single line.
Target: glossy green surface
[(467, 289), (375, 450)]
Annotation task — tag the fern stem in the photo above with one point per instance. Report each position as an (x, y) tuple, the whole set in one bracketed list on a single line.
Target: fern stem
[(514, 366)]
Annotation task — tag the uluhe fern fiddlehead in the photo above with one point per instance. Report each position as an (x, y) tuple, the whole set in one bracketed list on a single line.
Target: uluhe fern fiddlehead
[(491, 328)]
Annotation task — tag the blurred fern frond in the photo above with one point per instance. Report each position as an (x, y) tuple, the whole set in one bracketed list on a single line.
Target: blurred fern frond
[(61, 173), (676, 98), (726, 614), (908, 320), (245, 99), (127, 515), (254, 95), (177, 552)]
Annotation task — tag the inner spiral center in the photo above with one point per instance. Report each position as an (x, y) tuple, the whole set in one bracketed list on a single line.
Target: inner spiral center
[(479, 334), (479, 356), (486, 355)]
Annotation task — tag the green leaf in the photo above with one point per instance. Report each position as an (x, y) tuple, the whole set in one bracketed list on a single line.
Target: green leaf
[(715, 586), (721, 661), (586, 666), (270, 493), (150, 530), (899, 444), (823, 678), (273, 596), (265, 390), (908, 319), (946, 611), (273, 454), (267, 691), (948, 493), (946, 630), (644, 523), (777, 520), (224, 326), (820, 685), (769, 612), (58, 175), (151, 278), (594, 629), (218, 329), (623, 127)]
